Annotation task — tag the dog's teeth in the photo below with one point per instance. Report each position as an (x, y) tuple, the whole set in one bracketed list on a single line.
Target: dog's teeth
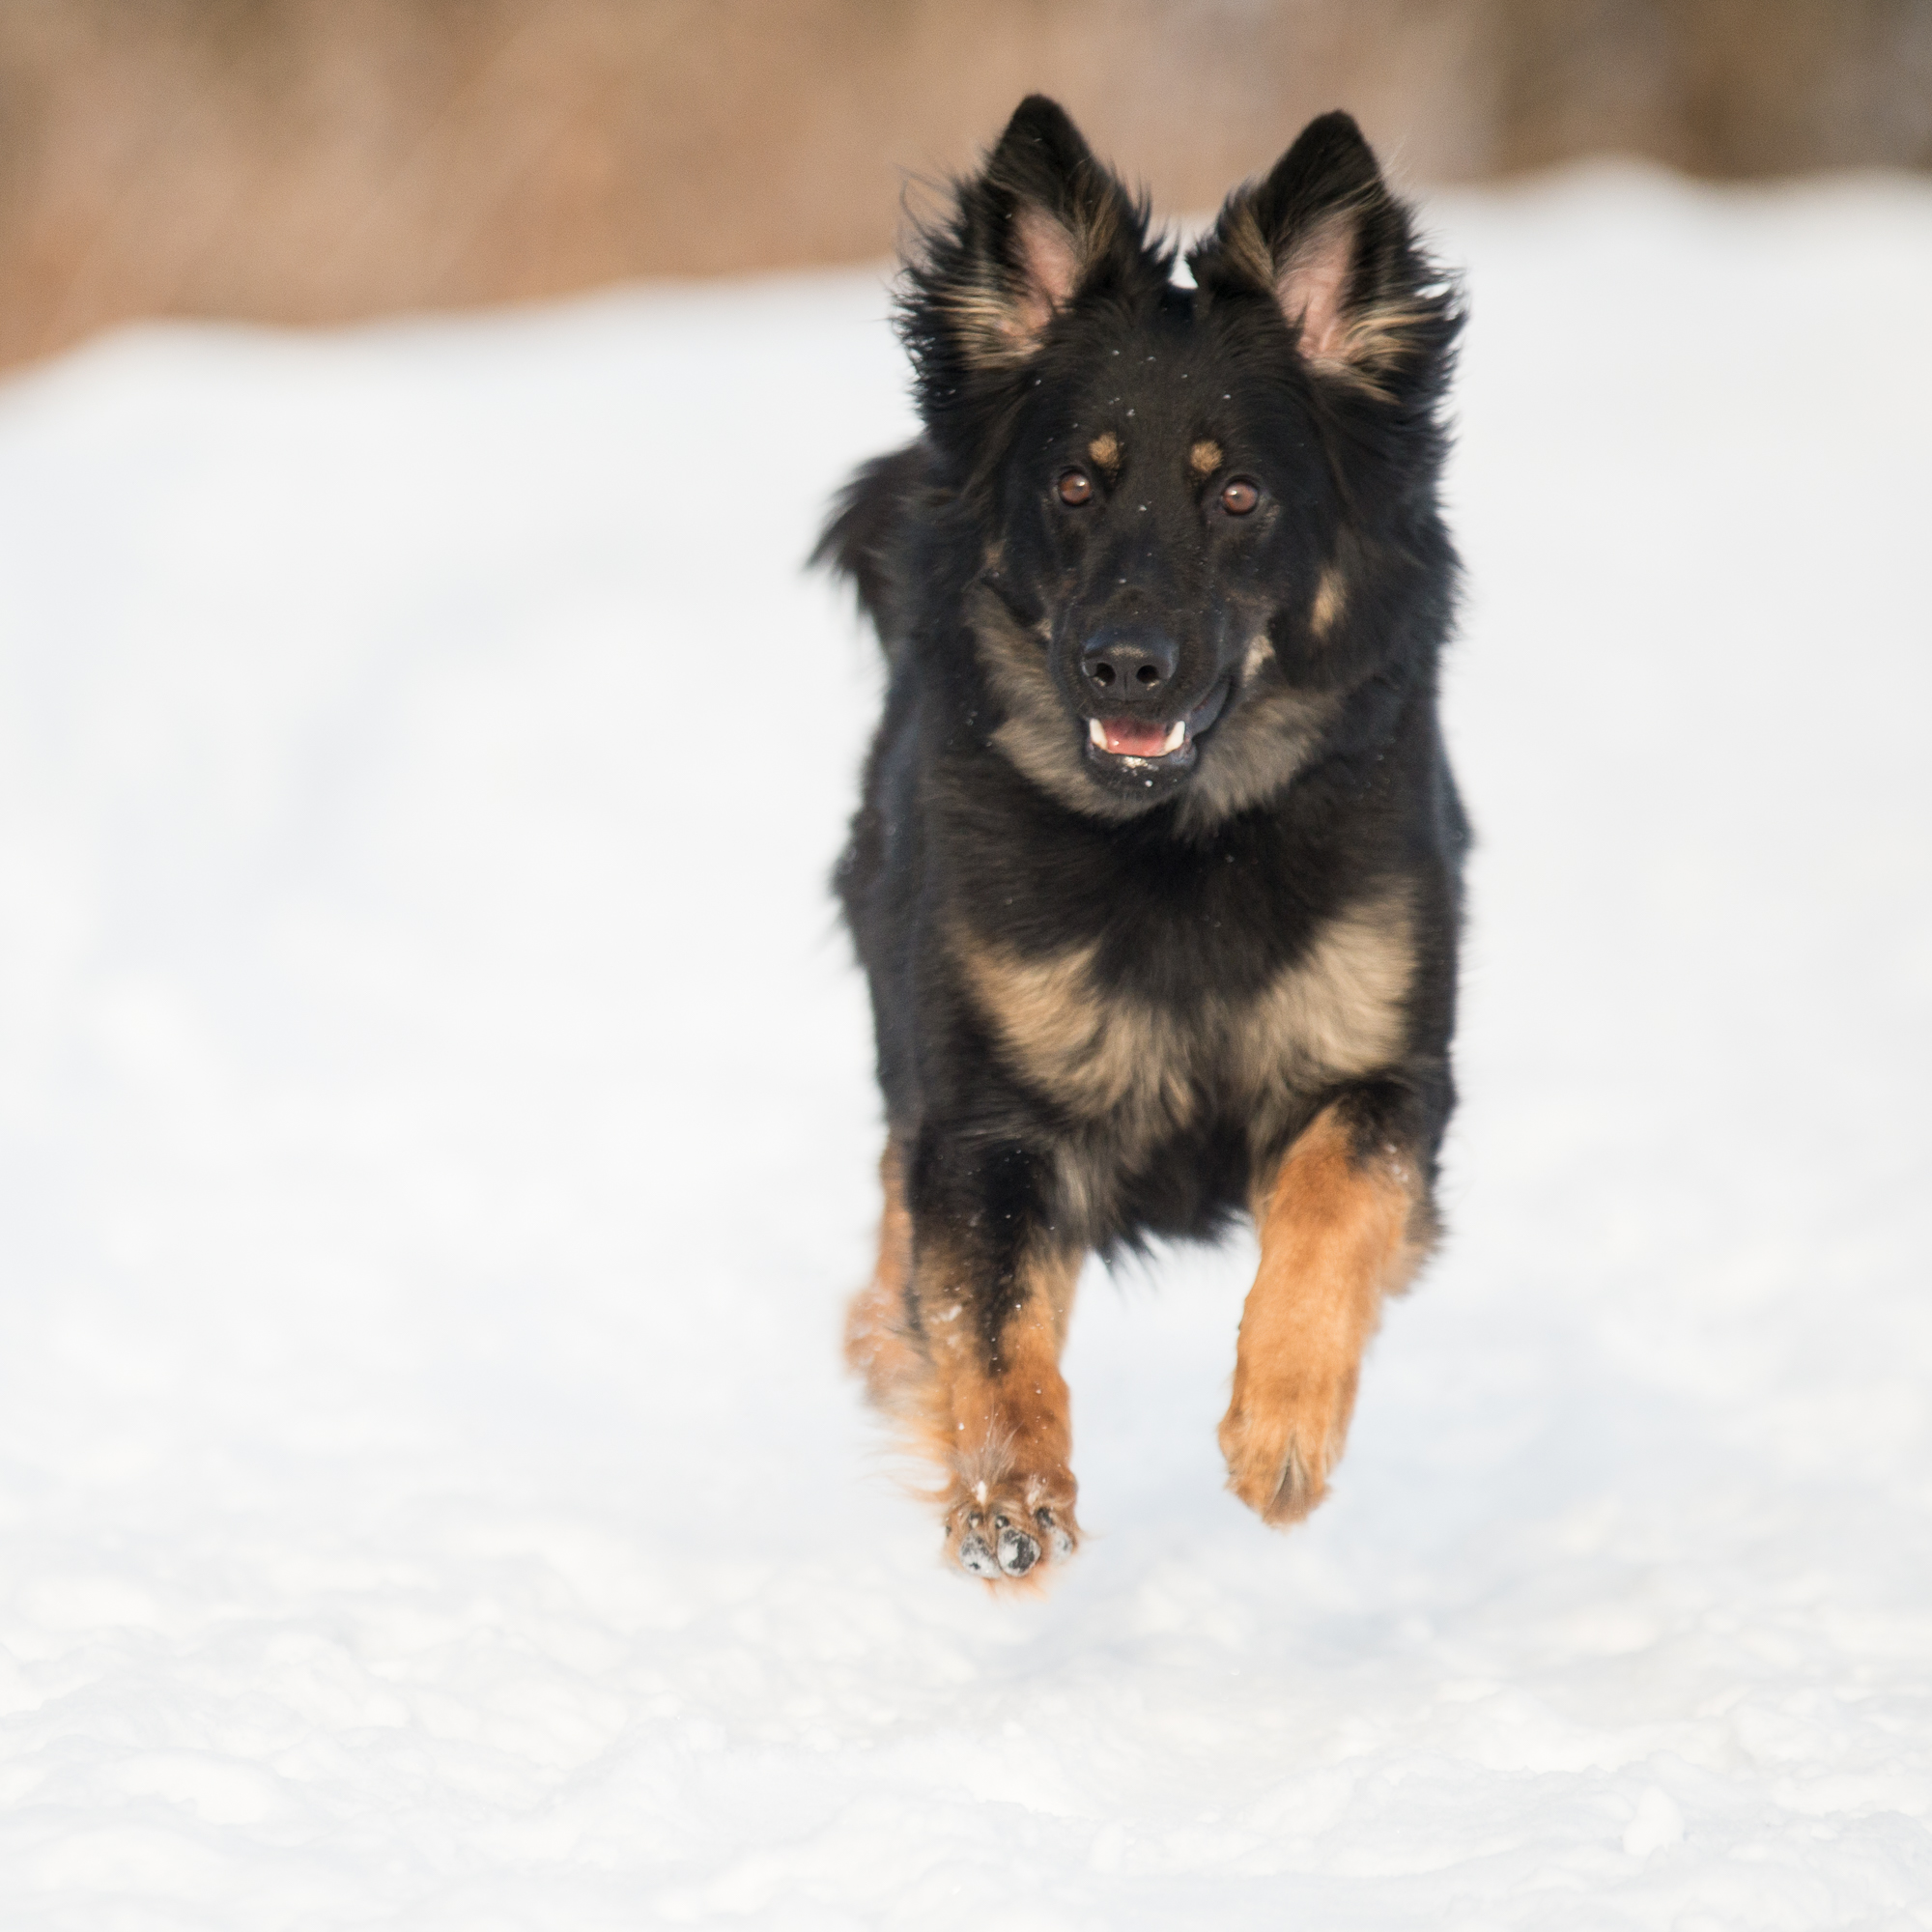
[(1176, 736), (1096, 732)]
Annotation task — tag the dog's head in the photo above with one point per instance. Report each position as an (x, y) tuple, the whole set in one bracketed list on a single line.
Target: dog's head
[(1204, 513)]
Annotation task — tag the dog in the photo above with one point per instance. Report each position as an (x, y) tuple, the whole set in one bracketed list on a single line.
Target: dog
[(1156, 877)]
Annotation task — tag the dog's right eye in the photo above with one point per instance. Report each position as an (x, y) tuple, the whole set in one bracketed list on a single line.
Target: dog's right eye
[(1075, 488)]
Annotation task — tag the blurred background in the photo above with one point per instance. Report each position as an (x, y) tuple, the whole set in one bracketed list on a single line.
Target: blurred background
[(314, 161)]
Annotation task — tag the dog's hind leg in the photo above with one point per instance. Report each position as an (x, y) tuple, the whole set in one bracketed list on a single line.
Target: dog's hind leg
[(1344, 1221), (881, 1336)]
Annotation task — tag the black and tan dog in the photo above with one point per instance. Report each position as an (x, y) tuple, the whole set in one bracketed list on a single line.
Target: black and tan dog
[(1156, 877)]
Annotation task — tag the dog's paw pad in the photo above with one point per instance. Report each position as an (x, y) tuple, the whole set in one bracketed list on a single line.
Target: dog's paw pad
[(1059, 1539), (1002, 1539), (976, 1557), (1018, 1551)]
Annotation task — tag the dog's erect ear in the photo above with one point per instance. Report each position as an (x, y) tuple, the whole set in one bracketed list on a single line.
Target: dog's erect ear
[(1324, 236), (1040, 224)]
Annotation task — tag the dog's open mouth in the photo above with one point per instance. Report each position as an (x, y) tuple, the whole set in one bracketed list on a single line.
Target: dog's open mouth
[(1126, 739), (1154, 741)]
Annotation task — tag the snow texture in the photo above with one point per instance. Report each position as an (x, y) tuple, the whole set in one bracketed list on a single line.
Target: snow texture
[(439, 1139)]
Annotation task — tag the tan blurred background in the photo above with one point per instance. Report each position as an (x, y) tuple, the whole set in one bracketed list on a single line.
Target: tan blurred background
[(319, 160)]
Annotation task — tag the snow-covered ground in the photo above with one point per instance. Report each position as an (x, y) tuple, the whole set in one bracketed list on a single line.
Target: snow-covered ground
[(436, 1140)]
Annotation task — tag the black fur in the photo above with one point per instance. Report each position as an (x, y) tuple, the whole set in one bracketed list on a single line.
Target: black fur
[(1039, 318)]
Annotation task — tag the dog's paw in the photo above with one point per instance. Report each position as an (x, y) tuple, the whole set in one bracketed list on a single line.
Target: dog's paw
[(1014, 1527), (1280, 1451)]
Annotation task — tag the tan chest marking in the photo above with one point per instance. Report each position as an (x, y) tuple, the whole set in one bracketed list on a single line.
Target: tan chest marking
[(1096, 1054), (1339, 1012)]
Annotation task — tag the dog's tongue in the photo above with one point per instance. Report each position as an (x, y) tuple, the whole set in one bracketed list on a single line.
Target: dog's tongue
[(1134, 741)]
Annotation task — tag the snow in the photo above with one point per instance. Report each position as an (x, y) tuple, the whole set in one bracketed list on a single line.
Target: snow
[(439, 1139)]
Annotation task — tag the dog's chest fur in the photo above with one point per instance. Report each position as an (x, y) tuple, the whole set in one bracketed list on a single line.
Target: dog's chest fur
[(1142, 1050)]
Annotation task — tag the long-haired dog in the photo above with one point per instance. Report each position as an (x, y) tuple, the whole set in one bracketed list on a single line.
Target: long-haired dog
[(1157, 875)]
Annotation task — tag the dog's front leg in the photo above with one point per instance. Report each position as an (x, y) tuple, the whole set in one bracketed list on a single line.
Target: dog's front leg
[(992, 1289), (1343, 1222)]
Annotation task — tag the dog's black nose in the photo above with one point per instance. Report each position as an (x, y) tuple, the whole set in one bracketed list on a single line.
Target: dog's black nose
[(1129, 661)]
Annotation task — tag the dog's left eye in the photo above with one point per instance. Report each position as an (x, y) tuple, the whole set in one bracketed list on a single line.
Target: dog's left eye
[(1238, 499), (1074, 488)]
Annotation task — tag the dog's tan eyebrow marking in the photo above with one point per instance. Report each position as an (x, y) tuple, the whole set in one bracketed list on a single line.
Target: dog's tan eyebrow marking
[(1105, 450), (1205, 457), (1331, 598)]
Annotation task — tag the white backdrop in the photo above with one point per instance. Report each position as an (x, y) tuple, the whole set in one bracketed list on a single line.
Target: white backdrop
[(437, 1139)]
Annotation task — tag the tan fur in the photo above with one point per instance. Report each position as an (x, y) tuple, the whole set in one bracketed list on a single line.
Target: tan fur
[(1339, 1012), (879, 1345), (1099, 1056), (1256, 750), (1141, 1067), (1205, 457), (984, 320), (1310, 285), (1000, 1431), (1001, 318), (1331, 600), (994, 1423), (1336, 1238), (1374, 338), (1247, 247), (1105, 450), (1036, 734)]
